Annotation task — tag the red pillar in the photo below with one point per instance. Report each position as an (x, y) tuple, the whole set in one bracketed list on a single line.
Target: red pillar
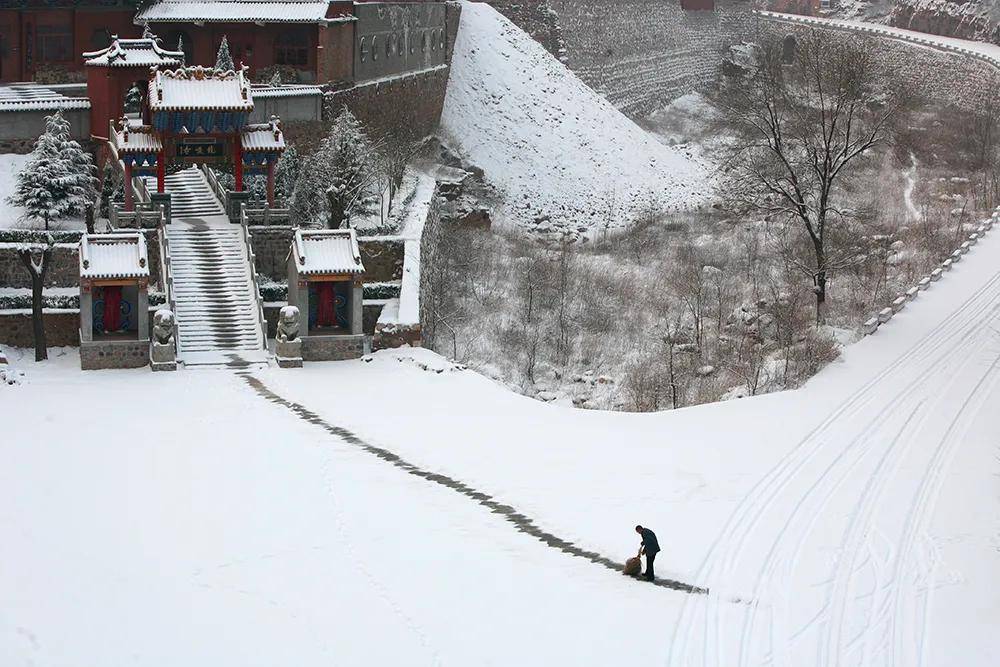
[(270, 183), (161, 171), (238, 160), (129, 204)]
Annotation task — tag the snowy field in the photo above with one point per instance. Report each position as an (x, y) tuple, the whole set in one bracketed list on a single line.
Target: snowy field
[(566, 158), (191, 518)]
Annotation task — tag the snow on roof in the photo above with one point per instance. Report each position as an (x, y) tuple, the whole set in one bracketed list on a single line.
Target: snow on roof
[(142, 52), (34, 97), (113, 256), (239, 11), (132, 139), (191, 88), (327, 251), (264, 136), (266, 92)]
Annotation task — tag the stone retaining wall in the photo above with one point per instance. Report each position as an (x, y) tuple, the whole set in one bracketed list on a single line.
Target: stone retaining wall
[(332, 348), (62, 328), (99, 355)]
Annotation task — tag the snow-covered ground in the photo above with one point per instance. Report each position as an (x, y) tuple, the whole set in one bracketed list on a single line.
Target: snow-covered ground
[(564, 156), (187, 518)]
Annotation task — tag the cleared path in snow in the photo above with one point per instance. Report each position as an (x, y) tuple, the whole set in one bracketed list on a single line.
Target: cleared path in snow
[(520, 521)]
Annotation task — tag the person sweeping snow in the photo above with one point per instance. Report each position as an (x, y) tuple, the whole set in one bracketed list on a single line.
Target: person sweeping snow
[(650, 547)]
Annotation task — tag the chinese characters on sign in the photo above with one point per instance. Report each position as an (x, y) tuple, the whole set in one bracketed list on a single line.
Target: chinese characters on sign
[(200, 149)]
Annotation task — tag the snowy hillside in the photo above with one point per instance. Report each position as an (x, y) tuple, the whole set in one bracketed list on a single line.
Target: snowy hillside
[(563, 155), (288, 519)]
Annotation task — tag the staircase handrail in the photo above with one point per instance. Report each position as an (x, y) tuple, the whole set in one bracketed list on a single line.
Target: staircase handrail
[(254, 285), (140, 189), (213, 182), (165, 276)]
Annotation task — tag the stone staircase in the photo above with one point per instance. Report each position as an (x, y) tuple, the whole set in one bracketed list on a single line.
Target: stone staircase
[(213, 283)]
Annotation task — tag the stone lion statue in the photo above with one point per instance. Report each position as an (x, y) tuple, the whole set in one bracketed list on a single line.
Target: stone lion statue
[(288, 324), (163, 326)]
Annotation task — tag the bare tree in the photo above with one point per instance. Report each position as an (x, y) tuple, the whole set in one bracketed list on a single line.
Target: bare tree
[(805, 118), (36, 260)]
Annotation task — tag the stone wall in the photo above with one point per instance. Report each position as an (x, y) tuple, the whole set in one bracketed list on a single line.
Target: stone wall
[(937, 77), (538, 19), (332, 348), (641, 54), (64, 267), (62, 328), (99, 355)]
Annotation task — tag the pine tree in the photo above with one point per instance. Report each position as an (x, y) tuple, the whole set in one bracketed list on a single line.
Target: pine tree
[(133, 99), (146, 32), (286, 172), (224, 59), (180, 44), (58, 180), (275, 80), (336, 181)]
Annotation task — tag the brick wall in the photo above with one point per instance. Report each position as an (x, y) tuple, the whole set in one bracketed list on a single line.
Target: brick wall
[(408, 105)]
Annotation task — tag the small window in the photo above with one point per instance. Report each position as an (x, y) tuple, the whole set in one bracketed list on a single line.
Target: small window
[(374, 47), (412, 42), (423, 42), (434, 40), (441, 38), (363, 49), (390, 45)]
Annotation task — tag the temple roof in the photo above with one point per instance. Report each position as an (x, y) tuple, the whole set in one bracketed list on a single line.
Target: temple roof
[(264, 137), (327, 251), (142, 52), (239, 11), (199, 88), (113, 256), (133, 139)]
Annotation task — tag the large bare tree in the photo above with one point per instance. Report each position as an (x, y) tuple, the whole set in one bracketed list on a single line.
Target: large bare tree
[(806, 114)]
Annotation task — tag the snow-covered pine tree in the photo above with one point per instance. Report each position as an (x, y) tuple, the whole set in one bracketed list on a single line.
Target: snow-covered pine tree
[(336, 181), (180, 44), (133, 99), (224, 59), (58, 179), (275, 80), (146, 32), (112, 190), (286, 172)]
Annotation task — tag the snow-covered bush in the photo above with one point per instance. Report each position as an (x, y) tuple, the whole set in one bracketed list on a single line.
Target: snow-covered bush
[(58, 181)]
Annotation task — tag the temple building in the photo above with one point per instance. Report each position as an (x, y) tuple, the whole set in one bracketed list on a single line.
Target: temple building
[(335, 42)]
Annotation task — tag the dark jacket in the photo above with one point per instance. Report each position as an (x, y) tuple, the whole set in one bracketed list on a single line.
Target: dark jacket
[(649, 541)]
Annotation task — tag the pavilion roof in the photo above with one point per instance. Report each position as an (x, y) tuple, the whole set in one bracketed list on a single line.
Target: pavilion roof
[(132, 139), (113, 256), (200, 88), (264, 136), (327, 251), (239, 11), (142, 52)]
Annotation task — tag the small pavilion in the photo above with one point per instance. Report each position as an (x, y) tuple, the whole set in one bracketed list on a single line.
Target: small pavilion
[(190, 116), (325, 282), (114, 301)]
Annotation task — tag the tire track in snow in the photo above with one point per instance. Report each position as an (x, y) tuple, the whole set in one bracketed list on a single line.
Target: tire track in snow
[(728, 547), (523, 523), (921, 513)]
